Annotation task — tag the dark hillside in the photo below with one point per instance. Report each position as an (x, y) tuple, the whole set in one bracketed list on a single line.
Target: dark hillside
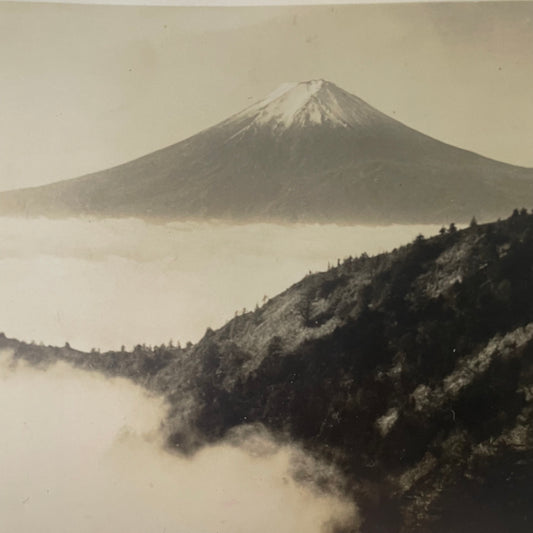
[(411, 371)]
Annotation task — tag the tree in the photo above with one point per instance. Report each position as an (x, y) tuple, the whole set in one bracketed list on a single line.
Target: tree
[(303, 308)]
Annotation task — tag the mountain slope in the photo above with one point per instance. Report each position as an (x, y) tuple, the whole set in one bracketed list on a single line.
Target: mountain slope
[(411, 372), (310, 151)]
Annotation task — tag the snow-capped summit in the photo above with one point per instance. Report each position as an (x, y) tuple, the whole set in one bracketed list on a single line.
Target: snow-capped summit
[(314, 102)]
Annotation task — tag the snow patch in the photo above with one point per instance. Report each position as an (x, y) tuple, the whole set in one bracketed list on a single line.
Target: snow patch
[(384, 423), (292, 106), (280, 91), (313, 102)]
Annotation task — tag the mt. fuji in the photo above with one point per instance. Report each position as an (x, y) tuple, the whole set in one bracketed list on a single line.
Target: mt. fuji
[(308, 152)]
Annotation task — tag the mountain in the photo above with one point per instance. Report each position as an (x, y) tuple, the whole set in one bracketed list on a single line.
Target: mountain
[(410, 372), (310, 152)]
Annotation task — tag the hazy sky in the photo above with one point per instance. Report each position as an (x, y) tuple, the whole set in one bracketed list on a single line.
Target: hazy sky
[(86, 87)]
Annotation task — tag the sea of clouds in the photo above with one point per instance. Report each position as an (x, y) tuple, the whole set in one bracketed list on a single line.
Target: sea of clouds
[(112, 282)]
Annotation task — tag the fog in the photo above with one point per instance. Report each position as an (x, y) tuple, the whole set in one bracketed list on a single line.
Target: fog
[(105, 283), (82, 453)]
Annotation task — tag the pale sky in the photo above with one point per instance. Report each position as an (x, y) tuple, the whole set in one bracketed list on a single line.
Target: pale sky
[(86, 87)]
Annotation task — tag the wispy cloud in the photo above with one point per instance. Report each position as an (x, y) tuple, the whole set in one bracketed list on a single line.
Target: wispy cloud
[(82, 453)]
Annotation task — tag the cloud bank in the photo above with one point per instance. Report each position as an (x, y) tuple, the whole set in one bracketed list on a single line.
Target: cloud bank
[(79, 452), (104, 283)]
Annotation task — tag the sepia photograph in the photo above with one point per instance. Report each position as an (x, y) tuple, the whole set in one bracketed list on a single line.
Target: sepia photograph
[(266, 268)]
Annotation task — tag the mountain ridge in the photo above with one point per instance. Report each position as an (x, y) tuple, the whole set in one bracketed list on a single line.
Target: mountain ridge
[(309, 153)]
